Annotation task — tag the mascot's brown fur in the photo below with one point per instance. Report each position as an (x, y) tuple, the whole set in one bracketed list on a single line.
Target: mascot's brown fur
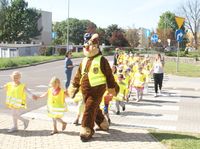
[(93, 94)]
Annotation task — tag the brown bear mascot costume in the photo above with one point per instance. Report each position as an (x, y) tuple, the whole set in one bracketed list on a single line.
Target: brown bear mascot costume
[(93, 77)]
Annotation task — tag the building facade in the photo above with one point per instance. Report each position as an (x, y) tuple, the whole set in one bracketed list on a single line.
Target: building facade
[(45, 23)]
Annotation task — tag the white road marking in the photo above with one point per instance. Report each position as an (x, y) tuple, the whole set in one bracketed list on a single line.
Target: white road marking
[(162, 98), (153, 107), (164, 117), (42, 86), (160, 127)]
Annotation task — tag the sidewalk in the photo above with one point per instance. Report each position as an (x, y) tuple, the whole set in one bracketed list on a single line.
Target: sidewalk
[(37, 136), (182, 83)]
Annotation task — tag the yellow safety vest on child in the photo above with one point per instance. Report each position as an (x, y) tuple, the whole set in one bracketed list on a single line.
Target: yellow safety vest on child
[(95, 75), (139, 79), (16, 96), (122, 90), (56, 104)]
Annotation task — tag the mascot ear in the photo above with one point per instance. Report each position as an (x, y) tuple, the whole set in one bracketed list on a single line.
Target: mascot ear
[(87, 37)]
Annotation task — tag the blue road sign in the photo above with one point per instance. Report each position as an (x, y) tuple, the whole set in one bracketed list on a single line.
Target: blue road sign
[(179, 35), (154, 38), (53, 35), (148, 32)]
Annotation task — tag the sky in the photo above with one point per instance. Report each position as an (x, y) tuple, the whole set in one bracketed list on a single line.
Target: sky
[(124, 13)]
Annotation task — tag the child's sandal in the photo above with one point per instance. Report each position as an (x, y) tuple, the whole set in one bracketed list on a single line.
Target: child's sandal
[(64, 126), (54, 132)]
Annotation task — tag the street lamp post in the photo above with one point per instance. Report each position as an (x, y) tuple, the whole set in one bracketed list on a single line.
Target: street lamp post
[(68, 27)]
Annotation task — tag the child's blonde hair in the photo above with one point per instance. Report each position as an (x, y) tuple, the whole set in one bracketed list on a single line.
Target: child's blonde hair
[(54, 80), (16, 73)]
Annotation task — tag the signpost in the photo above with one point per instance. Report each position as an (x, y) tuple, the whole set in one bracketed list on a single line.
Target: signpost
[(179, 36), (154, 38)]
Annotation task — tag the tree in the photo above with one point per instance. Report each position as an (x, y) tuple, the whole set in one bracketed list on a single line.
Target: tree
[(191, 11), (3, 6), (167, 27), (102, 35), (132, 37), (109, 32), (77, 29), (118, 39), (21, 22)]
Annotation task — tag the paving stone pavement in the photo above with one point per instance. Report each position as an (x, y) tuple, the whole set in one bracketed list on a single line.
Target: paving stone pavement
[(37, 136)]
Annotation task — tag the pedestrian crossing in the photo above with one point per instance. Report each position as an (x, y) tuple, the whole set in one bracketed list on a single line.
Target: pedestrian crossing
[(157, 113)]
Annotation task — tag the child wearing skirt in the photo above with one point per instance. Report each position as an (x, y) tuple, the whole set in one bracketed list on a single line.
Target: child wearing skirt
[(56, 103), (138, 83)]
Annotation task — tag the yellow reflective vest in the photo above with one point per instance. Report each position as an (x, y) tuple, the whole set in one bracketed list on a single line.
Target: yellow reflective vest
[(95, 75), (122, 90), (15, 96), (139, 79), (56, 104)]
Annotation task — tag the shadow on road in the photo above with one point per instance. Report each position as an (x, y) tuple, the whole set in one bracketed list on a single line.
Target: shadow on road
[(35, 133), (117, 135), (129, 113)]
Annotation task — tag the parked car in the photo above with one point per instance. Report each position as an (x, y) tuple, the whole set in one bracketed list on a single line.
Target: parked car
[(170, 48), (189, 49)]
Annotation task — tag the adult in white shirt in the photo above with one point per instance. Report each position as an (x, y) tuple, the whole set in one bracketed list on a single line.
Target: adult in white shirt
[(158, 72)]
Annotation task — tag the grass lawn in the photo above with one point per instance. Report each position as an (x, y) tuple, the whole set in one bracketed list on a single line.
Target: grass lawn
[(174, 140), (190, 70), (28, 60)]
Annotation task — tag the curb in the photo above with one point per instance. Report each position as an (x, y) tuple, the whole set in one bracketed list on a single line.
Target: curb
[(34, 64), (163, 146)]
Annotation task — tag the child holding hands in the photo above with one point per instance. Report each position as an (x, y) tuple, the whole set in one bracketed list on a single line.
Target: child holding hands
[(56, 103), (16, 99)]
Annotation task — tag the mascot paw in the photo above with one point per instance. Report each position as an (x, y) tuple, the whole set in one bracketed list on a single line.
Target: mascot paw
[(72, 91), (104, 125), (112, 91), (86, 133)]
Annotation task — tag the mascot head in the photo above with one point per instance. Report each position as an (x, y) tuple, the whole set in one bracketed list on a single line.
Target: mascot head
[(91, 45)]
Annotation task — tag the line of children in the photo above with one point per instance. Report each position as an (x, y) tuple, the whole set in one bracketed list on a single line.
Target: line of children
[(135, 69)]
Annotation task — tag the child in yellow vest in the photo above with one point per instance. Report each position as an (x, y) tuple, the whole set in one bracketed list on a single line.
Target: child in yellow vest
[(16, 99), (138, 83), (56, 103), (80, 108), (127, 82), (121, 95)]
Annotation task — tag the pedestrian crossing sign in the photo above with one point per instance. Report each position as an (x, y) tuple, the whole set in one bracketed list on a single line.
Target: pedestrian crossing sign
[(179, 21)]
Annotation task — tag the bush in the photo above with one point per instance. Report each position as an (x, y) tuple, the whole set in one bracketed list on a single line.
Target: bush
[(61, 51), (47, 51)]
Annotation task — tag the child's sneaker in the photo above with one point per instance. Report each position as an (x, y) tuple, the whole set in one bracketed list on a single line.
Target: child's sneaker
[(14, 129), (26, 122), (76, 122), (123, 108), (118, 113), (109, 121)]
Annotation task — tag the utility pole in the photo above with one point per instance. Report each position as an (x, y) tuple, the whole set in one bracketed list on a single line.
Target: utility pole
[(68, 27)]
